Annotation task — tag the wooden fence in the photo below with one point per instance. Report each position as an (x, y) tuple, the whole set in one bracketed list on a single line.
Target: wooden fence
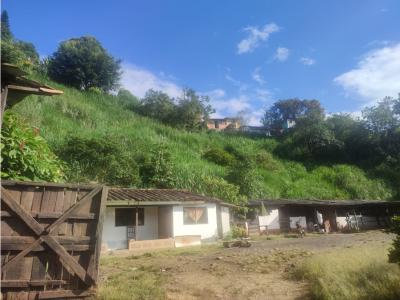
[(50, 239)]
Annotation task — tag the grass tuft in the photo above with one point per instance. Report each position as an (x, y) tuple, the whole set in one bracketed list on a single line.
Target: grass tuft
[(353, 273)]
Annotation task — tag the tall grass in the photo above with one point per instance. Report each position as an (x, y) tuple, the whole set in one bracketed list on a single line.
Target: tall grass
[(89, 114), (354, 273)]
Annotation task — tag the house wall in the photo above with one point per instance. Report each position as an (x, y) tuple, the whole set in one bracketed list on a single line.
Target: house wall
[(364, 222), (225, 220), (271, 221), (115, 237), (300, 219), (206, 231)]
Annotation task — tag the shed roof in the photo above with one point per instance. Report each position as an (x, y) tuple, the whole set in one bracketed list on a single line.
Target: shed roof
[(19, 86), (128, 196), (302, 202)]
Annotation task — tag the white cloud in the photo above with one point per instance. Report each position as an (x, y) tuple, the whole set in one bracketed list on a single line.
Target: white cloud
[(307, 61), (377, 75), (242, 86), (264, 95), (282, 53), (257, 76), (138, 81), (255, 36), (234, 106)]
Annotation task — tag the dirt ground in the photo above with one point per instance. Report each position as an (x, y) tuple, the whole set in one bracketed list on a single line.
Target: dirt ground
[(259, 272)]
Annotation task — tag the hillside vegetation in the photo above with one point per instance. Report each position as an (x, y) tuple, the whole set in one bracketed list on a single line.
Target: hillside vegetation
[(188, 157)]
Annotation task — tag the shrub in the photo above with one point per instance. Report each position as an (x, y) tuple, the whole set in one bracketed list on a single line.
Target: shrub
[(219, 188), (157, 169), (265, 160), (238, 231), (219, 156), (235, 152), (99, 159), (394, 251), (244, 174), (25, 155)]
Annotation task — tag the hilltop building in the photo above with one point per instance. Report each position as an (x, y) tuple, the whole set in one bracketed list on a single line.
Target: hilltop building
[(223, 124)]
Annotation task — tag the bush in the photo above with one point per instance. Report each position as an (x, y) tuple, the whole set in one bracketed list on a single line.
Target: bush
[(265, 160), (243, 174), (99, 159), (238, 232), (157, 169), (83, 63), (394, 251), (219, 156), (219, 188), (25, 155)]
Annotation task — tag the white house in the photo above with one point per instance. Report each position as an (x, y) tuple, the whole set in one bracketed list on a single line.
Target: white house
[(159, 218)]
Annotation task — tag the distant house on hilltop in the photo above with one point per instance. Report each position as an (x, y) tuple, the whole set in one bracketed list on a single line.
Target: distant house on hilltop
[(223, 124)]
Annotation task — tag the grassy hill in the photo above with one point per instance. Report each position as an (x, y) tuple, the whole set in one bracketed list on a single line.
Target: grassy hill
[(88, 114)]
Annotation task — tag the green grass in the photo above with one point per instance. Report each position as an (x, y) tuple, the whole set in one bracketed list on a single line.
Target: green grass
[(89, 114), (354, 273)]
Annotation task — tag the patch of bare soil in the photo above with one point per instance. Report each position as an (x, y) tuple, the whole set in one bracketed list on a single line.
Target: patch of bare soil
[(230, 274), (258, 272)]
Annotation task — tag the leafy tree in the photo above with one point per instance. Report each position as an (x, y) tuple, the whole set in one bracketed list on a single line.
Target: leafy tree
[(29, 50), (158, 105), (25, 155), (20, 53), (99, 159), (6, 33), (127, 100), (291, 109), (192, 110), (383, 117), (84, 63)]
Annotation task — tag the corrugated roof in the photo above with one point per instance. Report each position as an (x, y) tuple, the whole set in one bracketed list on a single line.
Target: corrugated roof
[(158, 195), (302, 202)]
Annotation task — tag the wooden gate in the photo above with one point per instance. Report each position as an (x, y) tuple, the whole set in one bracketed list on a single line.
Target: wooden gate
[(50, 239)]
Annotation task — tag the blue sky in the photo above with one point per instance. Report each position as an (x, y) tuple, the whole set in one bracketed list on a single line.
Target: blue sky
[(244, 54)]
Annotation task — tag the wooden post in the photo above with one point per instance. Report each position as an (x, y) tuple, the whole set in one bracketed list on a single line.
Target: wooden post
[(4, 94), (136, 223)]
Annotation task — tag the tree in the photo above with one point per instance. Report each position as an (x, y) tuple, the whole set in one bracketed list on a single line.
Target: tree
[(127, 100), (5, 26), (83, 63), (192, 110), (291, 109), (158, 105), (20, 53), (384, 117), (29, 50)]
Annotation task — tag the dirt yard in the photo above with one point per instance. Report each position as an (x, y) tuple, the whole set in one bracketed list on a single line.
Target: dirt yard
[(213, 272)]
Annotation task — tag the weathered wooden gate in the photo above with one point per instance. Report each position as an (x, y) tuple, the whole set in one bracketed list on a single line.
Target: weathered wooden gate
[(50, 239)]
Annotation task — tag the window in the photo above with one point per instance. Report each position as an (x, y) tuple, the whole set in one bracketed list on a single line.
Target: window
[(195, 215), (127, 216)]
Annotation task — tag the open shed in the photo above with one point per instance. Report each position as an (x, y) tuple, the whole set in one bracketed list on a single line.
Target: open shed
[(330, 215)]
